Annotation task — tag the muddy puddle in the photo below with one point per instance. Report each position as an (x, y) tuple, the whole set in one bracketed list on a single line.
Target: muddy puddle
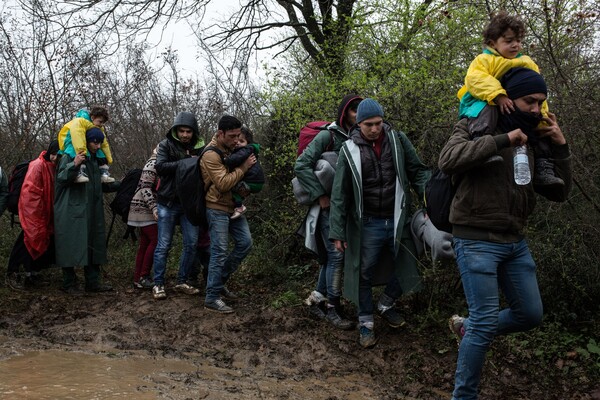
[(57, 374)]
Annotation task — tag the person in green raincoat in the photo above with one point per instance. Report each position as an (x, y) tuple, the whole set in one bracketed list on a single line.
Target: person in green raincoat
[(79, 217), (370, 214)]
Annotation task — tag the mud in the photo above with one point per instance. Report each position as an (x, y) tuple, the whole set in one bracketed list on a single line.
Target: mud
[(124, 344)]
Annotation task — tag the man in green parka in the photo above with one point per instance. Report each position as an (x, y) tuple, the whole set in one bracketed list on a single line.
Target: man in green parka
[(79, 218), (370, 212)]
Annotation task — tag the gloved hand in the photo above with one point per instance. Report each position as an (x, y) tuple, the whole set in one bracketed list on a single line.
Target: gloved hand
[(424, 232)]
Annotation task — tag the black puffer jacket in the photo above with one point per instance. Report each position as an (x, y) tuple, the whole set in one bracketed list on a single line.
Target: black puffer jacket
[(378, 175), (255, 174), (170, 151)]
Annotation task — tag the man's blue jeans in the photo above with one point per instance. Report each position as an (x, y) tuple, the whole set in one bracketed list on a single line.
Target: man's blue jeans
[(167, 219), (223, 265), (330, 273), (486, 267), (377, 233)]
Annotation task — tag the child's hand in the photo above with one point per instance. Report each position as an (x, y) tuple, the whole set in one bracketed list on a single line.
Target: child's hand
[(505, 104)]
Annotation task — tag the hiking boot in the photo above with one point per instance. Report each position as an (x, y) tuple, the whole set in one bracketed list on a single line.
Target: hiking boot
[(186, 289), (392, 317), (337, 320), (238, 211), (105, 175), (102, 287), (544, 175), (367, 337), (385, 306), (218, 306), (228, 295), (144, 283), (457, 327), (15, 281), (82, 176), (158, 292)]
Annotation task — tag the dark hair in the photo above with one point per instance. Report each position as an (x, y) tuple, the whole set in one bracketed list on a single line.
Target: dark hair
[(500, 23), (99, 111), (248, 134), (228, 123)]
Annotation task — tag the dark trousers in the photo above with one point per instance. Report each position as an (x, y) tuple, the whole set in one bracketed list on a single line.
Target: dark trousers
[(19, 255)]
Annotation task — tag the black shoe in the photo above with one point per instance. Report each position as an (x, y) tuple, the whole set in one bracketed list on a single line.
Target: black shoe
[(72, 290), (393, 318), (103, 287), (338, 321), (228, 295), (544, 176)]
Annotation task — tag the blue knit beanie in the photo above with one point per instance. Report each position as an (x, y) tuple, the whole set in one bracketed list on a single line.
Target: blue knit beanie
[(94, 135), (368, 108), (519, 82)]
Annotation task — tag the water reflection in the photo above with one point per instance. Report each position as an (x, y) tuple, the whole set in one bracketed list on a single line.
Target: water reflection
[(73, 375)]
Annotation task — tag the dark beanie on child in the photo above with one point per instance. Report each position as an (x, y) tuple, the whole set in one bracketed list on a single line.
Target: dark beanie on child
[(52, 149), (94, 135), (368, 108), (519, 82)]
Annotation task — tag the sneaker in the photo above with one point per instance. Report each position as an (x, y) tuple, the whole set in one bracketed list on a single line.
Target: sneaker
[(367, 337), (15, 281), (228, 295), (105, 176), (186, 289), (144, 283), (337, 320), (544, 175), (393, 318), (158, 292), (238, 211), (457, 327), (218, 306), (82, 177)]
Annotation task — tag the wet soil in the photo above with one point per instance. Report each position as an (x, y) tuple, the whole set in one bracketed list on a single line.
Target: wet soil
[(259, 352)]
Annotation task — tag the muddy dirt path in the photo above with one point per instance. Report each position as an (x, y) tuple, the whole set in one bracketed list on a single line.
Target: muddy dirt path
[(256, 353)]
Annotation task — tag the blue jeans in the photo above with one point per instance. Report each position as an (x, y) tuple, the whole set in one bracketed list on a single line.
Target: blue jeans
[(330, 273), (377, 233), (167, 219), (223, 265), (486, 267)]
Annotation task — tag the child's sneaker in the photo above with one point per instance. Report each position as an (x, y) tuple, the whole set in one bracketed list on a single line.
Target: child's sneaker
[(105, 175), (82, 175), (544, 175), (238, 211)]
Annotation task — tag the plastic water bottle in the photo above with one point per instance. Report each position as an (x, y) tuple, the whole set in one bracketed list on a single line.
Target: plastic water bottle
[(521, 161)]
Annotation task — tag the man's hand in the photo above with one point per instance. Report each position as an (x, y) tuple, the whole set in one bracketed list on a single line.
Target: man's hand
[(324, 202), (340, 246), (551, 130), (517, 138), (79, 159), (505, 104), (250, 161)]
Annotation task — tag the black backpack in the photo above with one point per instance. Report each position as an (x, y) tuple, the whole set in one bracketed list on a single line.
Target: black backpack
[(439, 192), (15, 182), (122, 201), (190, 188)]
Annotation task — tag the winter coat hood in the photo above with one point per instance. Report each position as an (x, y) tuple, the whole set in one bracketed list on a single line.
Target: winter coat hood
[(343, 109), (185, 118)]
